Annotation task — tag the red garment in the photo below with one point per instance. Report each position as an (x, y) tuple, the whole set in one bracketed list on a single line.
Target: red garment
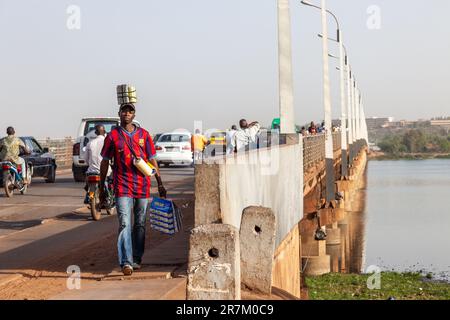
[(128, 180)]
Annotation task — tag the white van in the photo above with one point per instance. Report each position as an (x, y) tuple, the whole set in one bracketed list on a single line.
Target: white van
[(86, 132)]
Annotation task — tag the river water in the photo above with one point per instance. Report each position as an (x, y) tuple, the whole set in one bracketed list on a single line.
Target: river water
[(407, 216)]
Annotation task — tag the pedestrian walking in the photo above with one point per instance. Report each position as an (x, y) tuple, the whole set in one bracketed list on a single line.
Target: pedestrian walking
[(132, 188)]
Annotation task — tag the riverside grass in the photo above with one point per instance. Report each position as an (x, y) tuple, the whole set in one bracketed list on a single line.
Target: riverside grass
[(400, 286)]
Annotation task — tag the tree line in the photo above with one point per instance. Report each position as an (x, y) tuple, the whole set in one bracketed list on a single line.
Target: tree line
[(415, 141)]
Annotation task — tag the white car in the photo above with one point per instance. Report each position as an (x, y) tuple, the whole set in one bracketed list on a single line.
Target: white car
[(174, 148), (86, 132)]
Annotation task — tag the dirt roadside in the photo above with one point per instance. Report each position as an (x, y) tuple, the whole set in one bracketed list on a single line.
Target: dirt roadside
[(96, 260)]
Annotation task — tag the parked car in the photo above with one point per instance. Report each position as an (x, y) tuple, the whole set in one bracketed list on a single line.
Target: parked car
[(156, 137), (86, 132), (40, 162), (174, 148)]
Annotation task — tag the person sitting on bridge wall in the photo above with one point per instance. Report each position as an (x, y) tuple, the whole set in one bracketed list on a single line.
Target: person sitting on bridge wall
[(10, 151), (131, 186), (246, 135)]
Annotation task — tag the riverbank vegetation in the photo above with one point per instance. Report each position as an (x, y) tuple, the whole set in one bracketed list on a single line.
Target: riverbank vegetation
[(398, 286), (416, 144)]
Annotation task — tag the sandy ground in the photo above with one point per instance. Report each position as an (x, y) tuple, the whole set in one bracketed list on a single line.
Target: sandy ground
[(49, 278)]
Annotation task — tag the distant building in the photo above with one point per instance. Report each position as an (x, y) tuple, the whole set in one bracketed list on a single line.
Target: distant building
[(440, 123), (336, 122), (377, 123)]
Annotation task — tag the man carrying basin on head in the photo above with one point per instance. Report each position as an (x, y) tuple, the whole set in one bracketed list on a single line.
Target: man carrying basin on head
[(132, 188)]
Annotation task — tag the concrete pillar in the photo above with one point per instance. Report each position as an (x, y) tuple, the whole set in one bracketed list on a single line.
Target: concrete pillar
[(257, 245), (326, 216), (316, 265), (287, 119), (315, 261), (333, 236), (207, 194), (339, 213), (214, 263), (348, 201), (345, 245), (334, 251), (333, 242)]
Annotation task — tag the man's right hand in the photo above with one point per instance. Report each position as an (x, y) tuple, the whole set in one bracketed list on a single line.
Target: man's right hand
[(101, 192), (162, 191)]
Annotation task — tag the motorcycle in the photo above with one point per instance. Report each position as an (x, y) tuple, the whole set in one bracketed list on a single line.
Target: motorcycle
[(12, 179), (93, 196)]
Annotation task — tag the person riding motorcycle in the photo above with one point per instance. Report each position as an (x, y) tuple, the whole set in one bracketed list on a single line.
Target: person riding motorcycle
[(92, 155), (10, 151)]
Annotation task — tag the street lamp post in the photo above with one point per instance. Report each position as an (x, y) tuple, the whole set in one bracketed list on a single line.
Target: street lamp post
[(286, 96), (344, 172), (342, 58), (329, 161), (358, 127), (353, 119), (349, 111)]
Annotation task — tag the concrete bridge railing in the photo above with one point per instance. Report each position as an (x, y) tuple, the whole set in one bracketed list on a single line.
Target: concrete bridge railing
[(270, 177), (314, 148)]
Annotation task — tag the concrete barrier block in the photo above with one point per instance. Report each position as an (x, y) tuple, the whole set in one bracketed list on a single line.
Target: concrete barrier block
[(214, 263), (257, 245), (207, 194)]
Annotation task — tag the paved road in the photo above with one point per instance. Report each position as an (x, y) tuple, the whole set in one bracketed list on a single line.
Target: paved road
[(51, 218)]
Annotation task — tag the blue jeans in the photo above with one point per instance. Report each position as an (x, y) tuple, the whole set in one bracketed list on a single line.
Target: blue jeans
[(131, 243)]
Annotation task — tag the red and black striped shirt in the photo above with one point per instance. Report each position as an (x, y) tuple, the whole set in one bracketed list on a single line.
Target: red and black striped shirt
[(128, 180)]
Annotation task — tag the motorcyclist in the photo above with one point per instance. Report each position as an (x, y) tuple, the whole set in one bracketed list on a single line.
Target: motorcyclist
[(10, 151), (93, 156)]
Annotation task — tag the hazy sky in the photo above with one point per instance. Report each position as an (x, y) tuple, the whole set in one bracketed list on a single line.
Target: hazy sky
[(211, 60)]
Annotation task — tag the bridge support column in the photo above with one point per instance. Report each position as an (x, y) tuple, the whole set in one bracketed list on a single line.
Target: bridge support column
[(214, 263), (345, 244), (257, 239), (316, 262), (333, 246)]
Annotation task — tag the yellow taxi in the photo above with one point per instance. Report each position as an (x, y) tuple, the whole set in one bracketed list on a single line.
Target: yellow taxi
[(218, 138)]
